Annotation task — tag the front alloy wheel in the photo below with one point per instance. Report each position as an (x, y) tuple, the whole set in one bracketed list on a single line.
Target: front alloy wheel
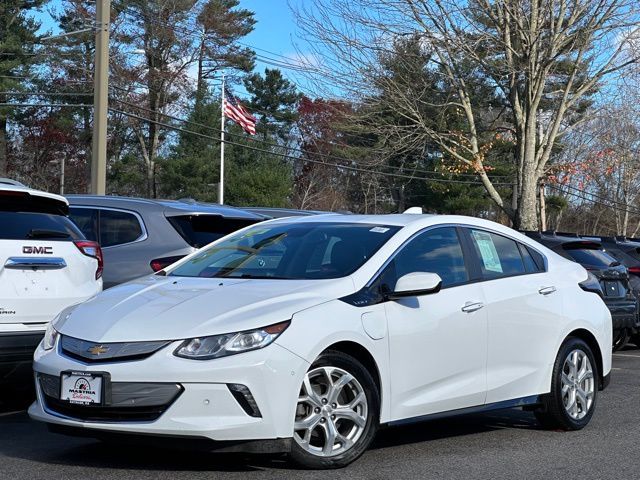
[(336, 414)]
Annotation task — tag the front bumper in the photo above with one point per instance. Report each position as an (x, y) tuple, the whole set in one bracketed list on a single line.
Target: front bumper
[(205, 408)]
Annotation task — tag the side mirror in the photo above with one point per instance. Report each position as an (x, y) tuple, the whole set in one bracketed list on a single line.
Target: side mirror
[(416, 284)]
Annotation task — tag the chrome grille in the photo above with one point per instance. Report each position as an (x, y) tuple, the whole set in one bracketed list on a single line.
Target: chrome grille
[(95, 352)]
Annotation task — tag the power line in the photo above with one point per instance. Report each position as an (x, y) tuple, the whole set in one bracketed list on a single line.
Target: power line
[(49, 94), (596, 202), (297, 159), (324, 155), (601, 197), (28, 105)]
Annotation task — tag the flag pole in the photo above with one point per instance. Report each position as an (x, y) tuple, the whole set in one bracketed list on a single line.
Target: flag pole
[(221, 184)]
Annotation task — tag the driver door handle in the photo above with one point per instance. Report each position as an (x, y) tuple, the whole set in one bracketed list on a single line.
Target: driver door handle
[(471, 307), (547, 290)]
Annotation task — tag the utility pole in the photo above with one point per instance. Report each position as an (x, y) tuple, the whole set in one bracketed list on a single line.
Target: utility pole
[(62, 175), (100, 99), (221, 184)]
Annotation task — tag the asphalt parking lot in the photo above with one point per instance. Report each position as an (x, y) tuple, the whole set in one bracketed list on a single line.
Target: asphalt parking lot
[(506, 444)]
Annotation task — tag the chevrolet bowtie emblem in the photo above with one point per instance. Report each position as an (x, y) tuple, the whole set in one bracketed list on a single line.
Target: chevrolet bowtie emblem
[(98, 350)]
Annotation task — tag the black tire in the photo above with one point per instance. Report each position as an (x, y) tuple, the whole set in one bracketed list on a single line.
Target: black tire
[(332, 358), (635, 339), (553, 414), (620, 338)]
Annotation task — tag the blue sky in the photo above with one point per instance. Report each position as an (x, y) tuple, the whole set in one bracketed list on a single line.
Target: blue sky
[(274, 31)]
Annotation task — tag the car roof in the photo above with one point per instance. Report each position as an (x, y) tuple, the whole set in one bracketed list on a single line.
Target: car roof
[(629, 242), (44, 201), (169, 207), (390, 219), (552, 239), (9, 181), (275, 212), (34, 193)]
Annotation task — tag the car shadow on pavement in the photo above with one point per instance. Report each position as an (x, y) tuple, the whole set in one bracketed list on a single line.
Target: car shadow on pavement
[(462, 425), (24, 439)]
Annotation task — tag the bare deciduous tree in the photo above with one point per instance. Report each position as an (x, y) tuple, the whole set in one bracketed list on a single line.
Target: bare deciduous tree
[(540, 58)]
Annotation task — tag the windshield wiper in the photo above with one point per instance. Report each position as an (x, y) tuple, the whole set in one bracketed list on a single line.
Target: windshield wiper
[(42, 233), (268, 277)]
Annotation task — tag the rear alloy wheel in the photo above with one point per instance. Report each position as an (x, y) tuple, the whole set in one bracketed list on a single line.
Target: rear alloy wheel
[(571, 402), (337, 413)]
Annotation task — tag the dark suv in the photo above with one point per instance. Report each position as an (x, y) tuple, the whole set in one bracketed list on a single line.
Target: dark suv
[(610, 272)]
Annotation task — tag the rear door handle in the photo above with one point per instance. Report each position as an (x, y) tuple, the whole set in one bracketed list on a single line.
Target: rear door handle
[(471, 307), (547, 290)]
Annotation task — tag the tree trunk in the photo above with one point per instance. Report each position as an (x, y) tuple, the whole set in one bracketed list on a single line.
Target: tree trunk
[(526, 216), (3, 147), (543, 209), (200, 85)]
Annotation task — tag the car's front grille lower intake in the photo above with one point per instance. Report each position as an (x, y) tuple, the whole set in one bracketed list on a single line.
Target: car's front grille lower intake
[(128, 402)]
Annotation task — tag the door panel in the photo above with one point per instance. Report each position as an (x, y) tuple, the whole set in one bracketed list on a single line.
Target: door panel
[(438, 352), (522, 303), (521, 327)]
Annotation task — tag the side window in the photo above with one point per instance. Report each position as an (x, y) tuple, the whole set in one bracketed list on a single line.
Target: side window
[(87, 221), (529, 264), (118, 227), (437, 251), (533, 261), (539, 259), (499, 256)]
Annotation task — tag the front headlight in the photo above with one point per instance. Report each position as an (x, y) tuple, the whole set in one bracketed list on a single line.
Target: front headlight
[(206, 348), (50, 337), (51, 334)]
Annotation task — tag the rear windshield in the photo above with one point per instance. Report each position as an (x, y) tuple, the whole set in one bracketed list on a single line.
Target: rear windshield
[(201, 230), (37, 226), (11, 201), (290, 251), (592, 257), (629, 258)]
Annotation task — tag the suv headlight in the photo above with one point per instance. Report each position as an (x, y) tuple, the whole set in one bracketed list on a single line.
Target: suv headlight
[(50, 337), (206, 348)]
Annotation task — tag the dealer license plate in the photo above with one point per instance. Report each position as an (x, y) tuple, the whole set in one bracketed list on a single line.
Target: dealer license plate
[(81, 388)]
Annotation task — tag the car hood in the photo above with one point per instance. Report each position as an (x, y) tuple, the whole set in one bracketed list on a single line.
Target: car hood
[(174, 308)]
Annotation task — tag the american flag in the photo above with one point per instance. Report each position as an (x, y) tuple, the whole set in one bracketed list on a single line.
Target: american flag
[(234, 110)]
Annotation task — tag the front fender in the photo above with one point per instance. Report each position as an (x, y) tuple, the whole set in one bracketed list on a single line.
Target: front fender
[(315, 329)]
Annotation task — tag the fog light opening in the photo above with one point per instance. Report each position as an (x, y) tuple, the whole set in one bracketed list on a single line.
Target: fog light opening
[(244, 397)]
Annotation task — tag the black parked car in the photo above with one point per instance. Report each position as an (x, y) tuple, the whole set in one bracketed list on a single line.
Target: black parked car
[(627, 252), (612, 275)]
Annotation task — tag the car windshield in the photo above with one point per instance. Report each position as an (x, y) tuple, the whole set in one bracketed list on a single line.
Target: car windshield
[(318, 250)]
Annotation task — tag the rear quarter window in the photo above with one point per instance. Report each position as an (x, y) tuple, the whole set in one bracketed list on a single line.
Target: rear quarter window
[(118, 227)]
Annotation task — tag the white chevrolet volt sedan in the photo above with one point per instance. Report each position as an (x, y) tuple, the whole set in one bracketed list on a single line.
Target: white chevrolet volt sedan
[(306, 335)]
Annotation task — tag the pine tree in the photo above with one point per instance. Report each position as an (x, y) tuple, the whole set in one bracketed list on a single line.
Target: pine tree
[(17, 48)]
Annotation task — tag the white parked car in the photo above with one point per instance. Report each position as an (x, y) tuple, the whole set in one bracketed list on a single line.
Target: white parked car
[(307, 334), (46, 265)]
